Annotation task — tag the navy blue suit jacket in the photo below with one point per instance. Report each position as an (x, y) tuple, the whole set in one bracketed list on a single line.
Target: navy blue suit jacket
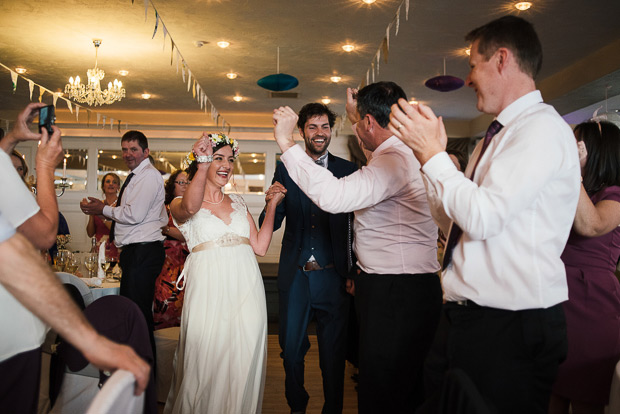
[(295, 207)]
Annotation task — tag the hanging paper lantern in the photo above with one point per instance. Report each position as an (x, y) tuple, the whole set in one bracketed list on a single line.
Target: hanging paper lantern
[(278, 82), (444, 83)]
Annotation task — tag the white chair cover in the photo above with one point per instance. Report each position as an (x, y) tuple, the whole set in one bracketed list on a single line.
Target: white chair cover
[(117, 396), (70, 279)]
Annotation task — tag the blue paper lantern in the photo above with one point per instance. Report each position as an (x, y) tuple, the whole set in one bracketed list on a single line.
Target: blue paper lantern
[(278, 82)]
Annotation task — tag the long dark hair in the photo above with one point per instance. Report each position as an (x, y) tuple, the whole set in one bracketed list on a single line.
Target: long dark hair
[(169, 186), (602, 140)]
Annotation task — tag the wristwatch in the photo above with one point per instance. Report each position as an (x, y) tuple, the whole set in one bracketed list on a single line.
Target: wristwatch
[(204, 158)]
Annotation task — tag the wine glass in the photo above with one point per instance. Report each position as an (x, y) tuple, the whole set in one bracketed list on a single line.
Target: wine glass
[(62, 258), (72, 265), (90, 261)]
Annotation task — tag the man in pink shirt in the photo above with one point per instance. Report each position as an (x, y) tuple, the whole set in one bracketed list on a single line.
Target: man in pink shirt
[(397, 293)]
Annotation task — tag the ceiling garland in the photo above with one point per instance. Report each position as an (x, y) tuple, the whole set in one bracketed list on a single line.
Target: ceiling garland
[(382, 51)]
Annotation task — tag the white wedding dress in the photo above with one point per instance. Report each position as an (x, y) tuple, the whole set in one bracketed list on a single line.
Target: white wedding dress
[(220, 362)]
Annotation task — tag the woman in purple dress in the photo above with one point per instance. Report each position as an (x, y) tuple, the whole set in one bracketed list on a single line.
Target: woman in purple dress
[(591, 254)]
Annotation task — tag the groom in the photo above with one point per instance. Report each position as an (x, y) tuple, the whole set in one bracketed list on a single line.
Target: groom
[(312, 271)]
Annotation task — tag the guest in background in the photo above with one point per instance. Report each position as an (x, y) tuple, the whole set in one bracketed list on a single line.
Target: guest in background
[(98, 225), (20, 164), (139, 217), (593, 308), (168, 301), (458, 158)]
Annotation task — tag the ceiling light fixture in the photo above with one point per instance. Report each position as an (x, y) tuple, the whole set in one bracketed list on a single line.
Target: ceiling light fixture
[(279, 81), (231, 75), (326, 101), (92, 94), (369, 1), (335, 79), (223, 44), (237, 98), (444, 83), (21, 71), (348, 48), (123, 72), (523, 5), (146, 96)]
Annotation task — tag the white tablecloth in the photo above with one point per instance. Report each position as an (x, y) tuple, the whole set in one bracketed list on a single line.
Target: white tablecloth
[(107, 288)]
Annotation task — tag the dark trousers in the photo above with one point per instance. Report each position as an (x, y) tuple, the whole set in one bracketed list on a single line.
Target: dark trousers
[(317, 293), (20, 377), (141, 263), (398, 316), (512, 357)]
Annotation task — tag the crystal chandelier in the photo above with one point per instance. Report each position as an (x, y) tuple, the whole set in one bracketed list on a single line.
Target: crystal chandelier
[(92, 94)]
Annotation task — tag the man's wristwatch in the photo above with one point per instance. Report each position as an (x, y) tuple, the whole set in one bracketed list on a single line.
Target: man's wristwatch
[(204, 158)]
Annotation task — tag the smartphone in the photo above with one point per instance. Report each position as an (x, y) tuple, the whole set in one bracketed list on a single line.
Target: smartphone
[(47, 118)]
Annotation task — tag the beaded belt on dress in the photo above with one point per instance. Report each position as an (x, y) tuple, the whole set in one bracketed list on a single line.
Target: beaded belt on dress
[(227, 240)]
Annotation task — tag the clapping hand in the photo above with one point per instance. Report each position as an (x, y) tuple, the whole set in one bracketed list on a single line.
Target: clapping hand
[(284, 121), (275, 194), (419, 128), (92, 206), (351, 106)]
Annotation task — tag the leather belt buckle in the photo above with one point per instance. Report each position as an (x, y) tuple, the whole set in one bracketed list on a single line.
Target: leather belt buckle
[(311, 266)]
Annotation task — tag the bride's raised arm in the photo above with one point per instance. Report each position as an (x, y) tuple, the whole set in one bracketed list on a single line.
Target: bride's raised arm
[(182, 209), (260, 240)]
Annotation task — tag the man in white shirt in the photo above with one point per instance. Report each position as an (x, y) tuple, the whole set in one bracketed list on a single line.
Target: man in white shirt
[(511, 212), (397, 293), (138, 219), (28, 289)]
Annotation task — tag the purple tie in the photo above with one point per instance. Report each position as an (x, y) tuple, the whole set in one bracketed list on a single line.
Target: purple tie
[(456, 232)]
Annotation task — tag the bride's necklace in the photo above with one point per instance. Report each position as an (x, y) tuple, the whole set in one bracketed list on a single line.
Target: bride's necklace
[(216, 203)]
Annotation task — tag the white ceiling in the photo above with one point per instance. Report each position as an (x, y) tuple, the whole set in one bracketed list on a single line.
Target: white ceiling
[(53, 40)]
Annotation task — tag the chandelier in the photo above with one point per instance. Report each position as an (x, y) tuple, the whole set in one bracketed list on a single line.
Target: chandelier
[(92, 94)]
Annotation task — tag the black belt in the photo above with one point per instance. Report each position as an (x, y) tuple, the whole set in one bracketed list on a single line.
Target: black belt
[(143, 243), (465, 303), (312, 266)]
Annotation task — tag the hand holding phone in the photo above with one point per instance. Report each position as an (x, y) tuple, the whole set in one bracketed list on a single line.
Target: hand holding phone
[(47, 118)]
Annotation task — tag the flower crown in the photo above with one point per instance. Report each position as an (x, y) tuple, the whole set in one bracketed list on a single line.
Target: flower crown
[(216, 139)]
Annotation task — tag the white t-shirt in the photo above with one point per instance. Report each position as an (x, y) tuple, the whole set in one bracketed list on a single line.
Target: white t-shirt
[(21, 331)]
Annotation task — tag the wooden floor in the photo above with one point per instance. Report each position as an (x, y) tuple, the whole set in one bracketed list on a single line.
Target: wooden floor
[(274, 401)]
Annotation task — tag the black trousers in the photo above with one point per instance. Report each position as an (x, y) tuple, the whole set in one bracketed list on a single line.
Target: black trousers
[(19, 382), (512, 357), (398, 316), (141, 264)]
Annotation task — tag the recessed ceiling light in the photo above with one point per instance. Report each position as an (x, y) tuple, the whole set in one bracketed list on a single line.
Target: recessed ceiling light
[(255, 161), (369, 1), (413, 102), (146, 96), (523, 5), (335, 79), (114, 157), (237, 98), (348, 48), (223, 44), (468, 51), (231, 75), (326, 101), (123, 72), (20, 70)]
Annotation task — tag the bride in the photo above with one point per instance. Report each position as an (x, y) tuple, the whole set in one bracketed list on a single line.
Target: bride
[(219, 365)]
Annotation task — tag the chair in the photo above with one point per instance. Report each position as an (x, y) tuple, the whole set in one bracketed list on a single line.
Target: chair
[(614, 395), (69, 279), (117, 396)]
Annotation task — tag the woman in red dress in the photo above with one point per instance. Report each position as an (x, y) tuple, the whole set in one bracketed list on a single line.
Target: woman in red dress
[(99, 226), (168, 301)]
